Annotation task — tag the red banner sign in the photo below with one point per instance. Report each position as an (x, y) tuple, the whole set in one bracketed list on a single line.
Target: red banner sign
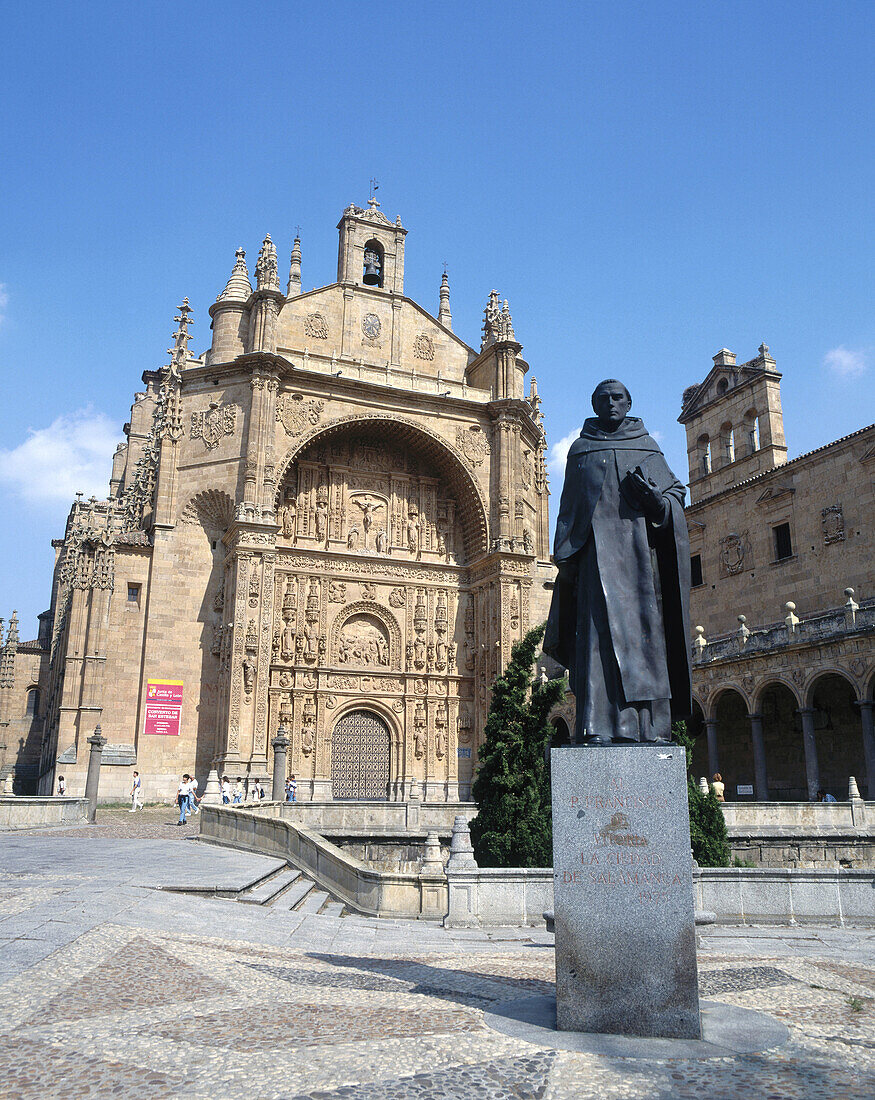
[(163, 707)]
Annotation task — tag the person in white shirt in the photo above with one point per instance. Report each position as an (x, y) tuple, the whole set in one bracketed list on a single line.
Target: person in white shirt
[(182, 798), (62, 786), (136, 794), (192, 796), (226, 790), (239, 792)]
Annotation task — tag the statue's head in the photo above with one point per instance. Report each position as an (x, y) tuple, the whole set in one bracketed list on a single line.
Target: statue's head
[(611, 402)]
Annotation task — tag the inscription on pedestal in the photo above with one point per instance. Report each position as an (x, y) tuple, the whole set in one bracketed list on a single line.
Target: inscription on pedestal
[(624, 909)]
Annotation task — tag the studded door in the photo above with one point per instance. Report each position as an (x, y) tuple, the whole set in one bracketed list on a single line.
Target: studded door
[(360, 757)]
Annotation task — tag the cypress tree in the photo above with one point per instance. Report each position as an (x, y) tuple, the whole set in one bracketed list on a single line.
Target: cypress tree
[(514, 825), (708, 836)]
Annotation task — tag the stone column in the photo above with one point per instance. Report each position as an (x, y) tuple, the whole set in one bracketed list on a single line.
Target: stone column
[(280, 745), (809, 741), (866, 706), (761, 779), (92, 779), (711, 735)]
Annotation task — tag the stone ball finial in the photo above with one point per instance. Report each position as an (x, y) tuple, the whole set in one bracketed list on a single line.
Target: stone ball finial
[(742, 619), (790, 606), (849, 592)]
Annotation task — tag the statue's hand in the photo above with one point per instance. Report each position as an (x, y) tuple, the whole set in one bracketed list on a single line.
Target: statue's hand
[(648, 495)]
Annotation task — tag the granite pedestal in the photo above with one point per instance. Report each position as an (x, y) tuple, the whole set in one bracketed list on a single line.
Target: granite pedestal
[(623, 892)]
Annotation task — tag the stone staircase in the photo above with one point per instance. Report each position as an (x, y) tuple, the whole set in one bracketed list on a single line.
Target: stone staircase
[(289, 888)]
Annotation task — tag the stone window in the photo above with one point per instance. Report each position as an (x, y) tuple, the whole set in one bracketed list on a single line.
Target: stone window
[(696, 578), (783, 542), (32, 705), (134, 594)]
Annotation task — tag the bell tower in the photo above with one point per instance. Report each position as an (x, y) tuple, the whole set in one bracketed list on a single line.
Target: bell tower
[(371, 249)]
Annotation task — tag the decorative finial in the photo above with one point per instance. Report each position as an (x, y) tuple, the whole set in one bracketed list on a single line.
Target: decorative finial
[(266, 277), (238, 288), (444, 315), (179, 352), (372, 201), (294, 284)]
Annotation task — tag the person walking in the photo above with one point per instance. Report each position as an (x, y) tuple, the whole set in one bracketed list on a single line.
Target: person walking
[(136, 794), (239, 792), (182, 799), (291, 789), (62, 786), (226, 790), (193, 799)]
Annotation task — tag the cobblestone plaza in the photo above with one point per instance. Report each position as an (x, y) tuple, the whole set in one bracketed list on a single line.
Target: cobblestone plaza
[(115, 987)]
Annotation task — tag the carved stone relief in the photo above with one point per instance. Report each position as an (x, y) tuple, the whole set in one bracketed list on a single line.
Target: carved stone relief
[(363, 641), (473, 444), (295, 413), (423, 348), (833, 524), (316, 326), (735, 553), (214, 423)]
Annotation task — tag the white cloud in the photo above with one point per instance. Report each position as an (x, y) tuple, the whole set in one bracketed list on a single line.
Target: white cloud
[(74, 452), (558, 455), (4, 302), (846, 362)]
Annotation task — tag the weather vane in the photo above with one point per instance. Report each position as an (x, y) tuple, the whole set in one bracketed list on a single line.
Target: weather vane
[(374, 186)]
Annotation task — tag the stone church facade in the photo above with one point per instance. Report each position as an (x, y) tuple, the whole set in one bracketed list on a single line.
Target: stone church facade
[(335, 520)]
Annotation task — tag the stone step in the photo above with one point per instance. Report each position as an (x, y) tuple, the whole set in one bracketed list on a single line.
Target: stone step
[(313, 902), (269, 889), (333, 909), (295, 894)]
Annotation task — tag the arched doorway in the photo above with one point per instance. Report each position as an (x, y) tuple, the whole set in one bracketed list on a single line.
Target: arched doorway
[(782, 738), (734, 745), (838, 732), (360, 757)]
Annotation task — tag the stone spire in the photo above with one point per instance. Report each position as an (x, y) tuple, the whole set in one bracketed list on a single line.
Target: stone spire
[(266, 268), (497, 322), (179, 352), (12, 636), (294, 287), (444, 315), (238, 288)]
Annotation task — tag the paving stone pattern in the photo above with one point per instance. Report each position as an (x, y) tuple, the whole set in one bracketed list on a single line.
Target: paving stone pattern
[(112, 988)]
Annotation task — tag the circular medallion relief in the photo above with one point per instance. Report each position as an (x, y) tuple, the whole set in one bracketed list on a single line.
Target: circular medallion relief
[(371, 326)]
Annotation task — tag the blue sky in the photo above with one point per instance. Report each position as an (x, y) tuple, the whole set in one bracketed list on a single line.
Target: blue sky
[(645, 184)]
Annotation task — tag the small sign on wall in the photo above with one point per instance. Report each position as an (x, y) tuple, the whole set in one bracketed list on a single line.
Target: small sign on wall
[(163, 707), (744, 788), (464, 754)]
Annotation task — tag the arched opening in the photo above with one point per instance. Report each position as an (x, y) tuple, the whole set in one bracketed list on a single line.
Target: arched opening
[(360, 755), (752, 424), (561, 733), (782, 739), (704, 443), (373, 264), (727, 435), (838, 733), (696, 729), (734, 746), (31, 708), (722, 386)]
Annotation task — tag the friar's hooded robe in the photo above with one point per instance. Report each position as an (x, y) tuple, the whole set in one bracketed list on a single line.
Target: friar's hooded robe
[(619, 618)]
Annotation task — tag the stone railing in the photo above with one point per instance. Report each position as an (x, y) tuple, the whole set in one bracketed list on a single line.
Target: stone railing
[(823, 626), (22, 812), (487, 897), (376, 819), (794, 819)]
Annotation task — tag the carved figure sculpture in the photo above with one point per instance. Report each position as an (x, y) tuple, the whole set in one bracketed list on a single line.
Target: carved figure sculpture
[(619, 618), (321, 521), (289, 517), (248, 675)]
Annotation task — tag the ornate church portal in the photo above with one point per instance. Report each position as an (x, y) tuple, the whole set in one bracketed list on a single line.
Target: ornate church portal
[(360, 757), (332, 521)]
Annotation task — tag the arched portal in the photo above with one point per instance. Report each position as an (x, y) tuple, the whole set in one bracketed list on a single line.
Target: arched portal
[(360, 753), (838, 733), (734, 745), (782, 738)]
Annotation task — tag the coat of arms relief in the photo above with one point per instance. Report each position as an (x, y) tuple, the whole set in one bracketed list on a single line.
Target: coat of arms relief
[(214, 423), (295, 412)]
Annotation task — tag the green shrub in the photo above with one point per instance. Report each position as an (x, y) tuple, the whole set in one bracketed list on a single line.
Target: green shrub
[(708, 836), (514, 825)]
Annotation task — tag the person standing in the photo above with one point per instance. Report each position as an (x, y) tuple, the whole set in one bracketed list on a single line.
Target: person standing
[(718, 787), (226, 790), (239, 792), (62, 786), (292, 793), (182, 799), (136, 794)]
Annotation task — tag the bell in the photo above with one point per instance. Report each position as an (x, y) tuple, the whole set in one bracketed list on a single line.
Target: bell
[(371, 276)]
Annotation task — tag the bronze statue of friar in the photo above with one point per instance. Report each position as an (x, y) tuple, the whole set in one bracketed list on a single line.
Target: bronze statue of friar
[(619, 618)]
